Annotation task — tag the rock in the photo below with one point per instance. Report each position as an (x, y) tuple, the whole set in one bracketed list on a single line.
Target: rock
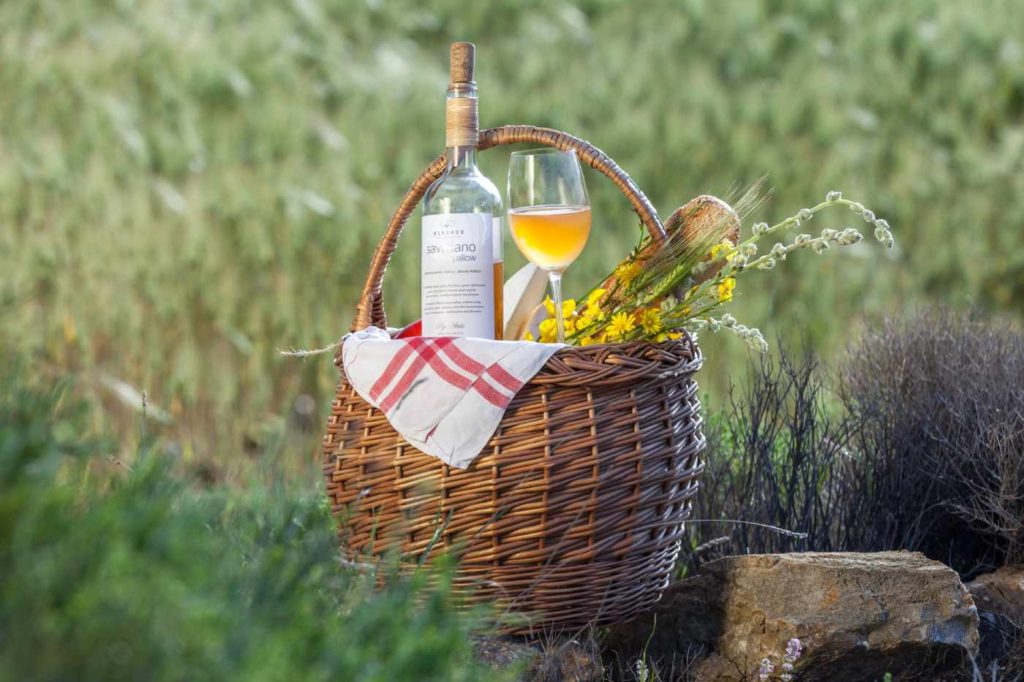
[(1000, 592), (568, 660), (857, 616), (504, 654), (999, 597)]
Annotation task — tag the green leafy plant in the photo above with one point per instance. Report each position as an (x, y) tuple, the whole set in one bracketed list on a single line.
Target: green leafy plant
[(120, 573)]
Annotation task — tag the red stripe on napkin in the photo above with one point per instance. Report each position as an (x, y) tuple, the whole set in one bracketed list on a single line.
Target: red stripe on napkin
[(426, 349), (490, 394), (388, 375), (509, 382), (464, 361)]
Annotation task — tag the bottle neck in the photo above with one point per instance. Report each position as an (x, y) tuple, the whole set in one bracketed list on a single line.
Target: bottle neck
[(462, 129), (461, 158)]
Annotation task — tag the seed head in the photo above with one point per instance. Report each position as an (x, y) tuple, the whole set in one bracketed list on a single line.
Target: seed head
[(849, 236)]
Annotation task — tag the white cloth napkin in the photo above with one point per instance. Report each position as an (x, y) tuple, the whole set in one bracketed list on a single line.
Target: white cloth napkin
[(444, 395)]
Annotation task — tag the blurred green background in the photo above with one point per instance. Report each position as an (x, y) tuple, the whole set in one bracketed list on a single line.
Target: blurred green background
[(188, 187)]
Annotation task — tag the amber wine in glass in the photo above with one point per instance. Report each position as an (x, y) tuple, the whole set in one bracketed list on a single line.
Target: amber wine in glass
[(549, 214), (551, 236)]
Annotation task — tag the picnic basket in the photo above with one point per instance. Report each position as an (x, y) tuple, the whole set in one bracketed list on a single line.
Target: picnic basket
[(573, 513)]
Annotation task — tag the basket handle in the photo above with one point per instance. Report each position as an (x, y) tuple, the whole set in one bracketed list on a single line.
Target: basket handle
[(371, 304)]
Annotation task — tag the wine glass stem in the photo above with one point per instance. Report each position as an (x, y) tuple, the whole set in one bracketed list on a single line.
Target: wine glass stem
[(556, 296)]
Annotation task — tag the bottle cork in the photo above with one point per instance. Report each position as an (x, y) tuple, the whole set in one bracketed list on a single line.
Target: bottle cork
[(463, 125), (463, 63)]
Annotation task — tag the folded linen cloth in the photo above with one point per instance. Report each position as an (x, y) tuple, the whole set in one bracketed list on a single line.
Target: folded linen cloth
[(444, 395)]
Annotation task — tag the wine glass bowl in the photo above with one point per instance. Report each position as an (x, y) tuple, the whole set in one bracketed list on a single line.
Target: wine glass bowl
[(549, 213), (551, 237)]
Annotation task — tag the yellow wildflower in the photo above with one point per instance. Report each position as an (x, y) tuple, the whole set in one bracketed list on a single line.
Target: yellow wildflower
[(621, 324), (627, 272), (528, 336), (725, 289), (665, 336), (650, 320), (590, 315), (587, 341), (568, 307), (548, 331), (591, 312), (726, 247)]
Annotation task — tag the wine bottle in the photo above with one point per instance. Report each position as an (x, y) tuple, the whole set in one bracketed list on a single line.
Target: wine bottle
[(461, 264)]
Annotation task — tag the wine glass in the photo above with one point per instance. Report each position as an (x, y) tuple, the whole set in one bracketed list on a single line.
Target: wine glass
[(549, 213)]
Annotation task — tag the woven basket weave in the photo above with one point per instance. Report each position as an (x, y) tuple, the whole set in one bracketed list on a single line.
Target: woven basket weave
[(573, 513)]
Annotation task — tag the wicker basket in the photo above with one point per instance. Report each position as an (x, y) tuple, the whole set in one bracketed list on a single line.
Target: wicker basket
[(573, 514)]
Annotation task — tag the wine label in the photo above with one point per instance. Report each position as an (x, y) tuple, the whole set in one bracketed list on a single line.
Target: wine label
[(457, 280)]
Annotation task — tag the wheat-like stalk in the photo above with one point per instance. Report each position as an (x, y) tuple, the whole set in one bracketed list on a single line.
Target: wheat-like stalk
[(685, 280)]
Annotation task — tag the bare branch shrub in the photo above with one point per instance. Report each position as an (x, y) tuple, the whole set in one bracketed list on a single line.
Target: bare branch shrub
[(937, 407), (773, 458), (922, 448)]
